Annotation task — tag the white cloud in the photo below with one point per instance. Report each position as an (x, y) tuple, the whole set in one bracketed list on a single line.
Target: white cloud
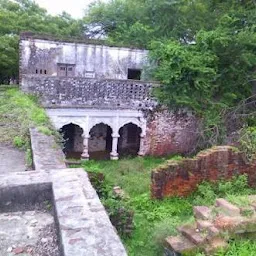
[(75, 7)]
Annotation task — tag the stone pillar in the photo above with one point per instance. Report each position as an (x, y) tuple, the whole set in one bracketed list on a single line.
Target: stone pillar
[(85, 154), (142, 145), (114, 154)]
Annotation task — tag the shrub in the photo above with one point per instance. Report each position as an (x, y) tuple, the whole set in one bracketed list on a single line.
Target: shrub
[(248, 142), (118, 210), (19, 142)]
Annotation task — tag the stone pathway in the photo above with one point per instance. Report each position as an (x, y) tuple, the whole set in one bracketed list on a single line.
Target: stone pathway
[(214, 226), (11, 159)]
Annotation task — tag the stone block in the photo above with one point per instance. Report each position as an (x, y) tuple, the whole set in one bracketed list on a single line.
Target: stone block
[(180, 244), (202, 212), (215, 245), (192, 234), (227, 208)]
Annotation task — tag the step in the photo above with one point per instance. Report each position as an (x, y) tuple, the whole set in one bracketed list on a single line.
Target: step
[(180, 244), (208, 228), (203, 224), (193, 234), (227, 208), (215, 245), (228, 223), (202, 212)]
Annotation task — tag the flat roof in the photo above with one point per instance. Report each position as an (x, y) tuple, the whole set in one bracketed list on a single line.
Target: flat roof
[(54, 38)]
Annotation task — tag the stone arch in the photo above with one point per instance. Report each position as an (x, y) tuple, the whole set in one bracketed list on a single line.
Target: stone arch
[(129, 140), (72, 140), (100, 141)]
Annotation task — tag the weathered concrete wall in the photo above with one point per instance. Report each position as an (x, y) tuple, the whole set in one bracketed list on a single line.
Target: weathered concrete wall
[(170, 133), (97, 140), (83, 224), (182, 177), (78, 140), (74, 92), (89, 60)]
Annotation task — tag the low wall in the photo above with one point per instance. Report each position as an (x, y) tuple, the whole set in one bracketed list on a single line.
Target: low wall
[(180, 178), (170, 133), (83, 223), (85, 92), (46, 153)]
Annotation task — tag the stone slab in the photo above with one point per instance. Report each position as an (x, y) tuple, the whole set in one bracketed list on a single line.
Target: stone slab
[(11, 159), (179, 244), (227, 208)]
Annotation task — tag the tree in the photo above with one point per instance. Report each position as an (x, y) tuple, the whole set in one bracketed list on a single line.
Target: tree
[(26, 15)]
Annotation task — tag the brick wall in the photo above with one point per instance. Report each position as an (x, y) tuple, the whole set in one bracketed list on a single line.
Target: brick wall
[(182, 177), (170, 133)]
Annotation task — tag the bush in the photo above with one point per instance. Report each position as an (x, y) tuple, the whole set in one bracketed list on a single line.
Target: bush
[(248, 142), (118, 210), (19, 142), (208, 192)]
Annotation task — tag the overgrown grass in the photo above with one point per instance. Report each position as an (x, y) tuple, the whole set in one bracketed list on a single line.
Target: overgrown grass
[(19, 112), (155, 220)]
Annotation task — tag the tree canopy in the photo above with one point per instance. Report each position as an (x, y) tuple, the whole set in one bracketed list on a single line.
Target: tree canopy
[(204, 50), (25, 15)]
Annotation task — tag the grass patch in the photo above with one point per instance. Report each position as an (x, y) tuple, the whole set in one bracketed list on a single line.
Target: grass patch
[(154, 219), (19, 112)]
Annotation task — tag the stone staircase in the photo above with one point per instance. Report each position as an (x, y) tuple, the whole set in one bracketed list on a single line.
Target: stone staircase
[(214, 227)]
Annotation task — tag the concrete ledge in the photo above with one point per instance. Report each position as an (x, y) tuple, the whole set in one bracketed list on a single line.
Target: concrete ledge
[(83, 224)]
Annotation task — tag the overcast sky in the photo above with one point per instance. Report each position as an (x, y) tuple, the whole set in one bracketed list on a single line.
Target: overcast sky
[(73, 7)]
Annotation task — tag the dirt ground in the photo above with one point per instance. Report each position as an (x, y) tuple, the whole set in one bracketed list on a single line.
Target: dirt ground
[(30, 233), (11, 159)]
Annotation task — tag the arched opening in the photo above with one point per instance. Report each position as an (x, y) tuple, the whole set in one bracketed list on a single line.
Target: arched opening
[(129, 140), (73, 141), (100, 142)]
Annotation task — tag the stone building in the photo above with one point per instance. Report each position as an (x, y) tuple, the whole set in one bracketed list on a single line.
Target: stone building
[(96, 96)]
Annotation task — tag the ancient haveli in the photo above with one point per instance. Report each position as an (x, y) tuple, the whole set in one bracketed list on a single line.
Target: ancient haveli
[(96, 96)]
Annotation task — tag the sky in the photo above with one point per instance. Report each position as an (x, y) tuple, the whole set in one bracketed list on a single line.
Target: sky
[(73, 7)]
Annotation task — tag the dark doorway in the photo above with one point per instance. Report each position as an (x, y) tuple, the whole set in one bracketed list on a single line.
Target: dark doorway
[(134, 74), (100, 142), (129, 141), (73, 141)]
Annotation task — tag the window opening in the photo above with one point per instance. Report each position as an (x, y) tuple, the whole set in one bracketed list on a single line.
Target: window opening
[(134, 74), (66, 70)]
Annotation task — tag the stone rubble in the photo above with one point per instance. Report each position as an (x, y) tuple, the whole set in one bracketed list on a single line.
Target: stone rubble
[(213, 227)]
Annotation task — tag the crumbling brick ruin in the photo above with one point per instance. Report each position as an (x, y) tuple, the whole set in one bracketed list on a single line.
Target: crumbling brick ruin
[(180, 178)]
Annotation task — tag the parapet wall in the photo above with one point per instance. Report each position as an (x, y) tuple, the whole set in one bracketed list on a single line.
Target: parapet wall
[(85, 92), (180, 178)]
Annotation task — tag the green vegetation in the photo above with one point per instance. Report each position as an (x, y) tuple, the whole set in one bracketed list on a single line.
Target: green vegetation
[(154, 220), (19, 112), (202, 52), (25, 15)]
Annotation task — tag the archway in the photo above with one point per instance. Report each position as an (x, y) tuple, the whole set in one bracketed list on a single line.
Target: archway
[(73, 140), (100, 142), (129, 140)]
